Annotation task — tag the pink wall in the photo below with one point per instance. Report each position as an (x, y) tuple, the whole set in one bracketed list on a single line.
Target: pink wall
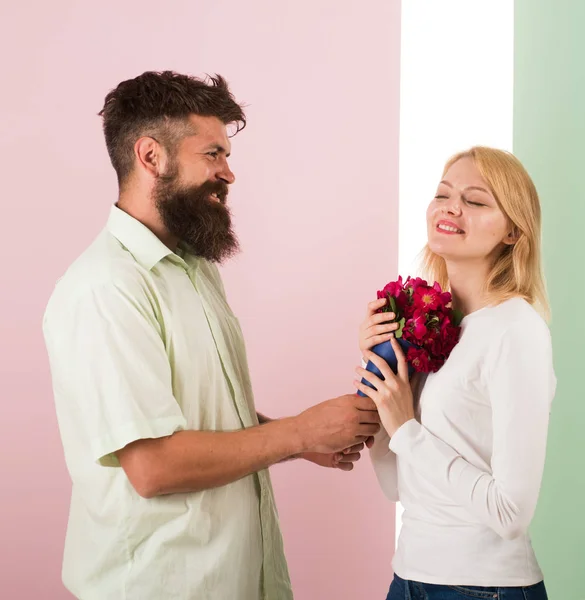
[(316, 197)]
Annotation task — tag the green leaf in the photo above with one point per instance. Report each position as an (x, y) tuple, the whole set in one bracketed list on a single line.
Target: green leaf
[(457, 317), (398, 332), (392, 303)]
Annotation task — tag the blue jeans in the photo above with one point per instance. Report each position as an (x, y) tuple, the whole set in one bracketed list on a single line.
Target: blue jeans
[(413, 590)]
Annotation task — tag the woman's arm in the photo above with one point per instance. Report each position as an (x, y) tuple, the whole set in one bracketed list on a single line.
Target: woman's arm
[(521, 385), (385, 467)]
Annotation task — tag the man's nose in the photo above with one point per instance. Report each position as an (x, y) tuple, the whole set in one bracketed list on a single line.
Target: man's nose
[(226, 174)]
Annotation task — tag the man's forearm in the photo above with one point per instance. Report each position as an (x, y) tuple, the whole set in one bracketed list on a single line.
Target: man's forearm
[(263, 418), (191, 461)]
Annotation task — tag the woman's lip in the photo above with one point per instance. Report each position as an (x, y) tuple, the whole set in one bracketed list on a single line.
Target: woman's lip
[(451, 225)]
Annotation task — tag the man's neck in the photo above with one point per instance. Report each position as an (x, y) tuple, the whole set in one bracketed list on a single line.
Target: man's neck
[(141, 207)]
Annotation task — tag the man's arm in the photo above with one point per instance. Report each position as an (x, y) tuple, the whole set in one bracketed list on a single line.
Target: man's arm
[(190, 461), (105, 348), (343, 460)]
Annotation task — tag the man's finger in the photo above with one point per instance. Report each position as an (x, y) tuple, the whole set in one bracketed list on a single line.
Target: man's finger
[(344, 466), (362, 403), (365, 430), (356, 448), (353, 457)]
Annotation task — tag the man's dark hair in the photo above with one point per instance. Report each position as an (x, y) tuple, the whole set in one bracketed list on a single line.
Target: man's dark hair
[(158, 104)]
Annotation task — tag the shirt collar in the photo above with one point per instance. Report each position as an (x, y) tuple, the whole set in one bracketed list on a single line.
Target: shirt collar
[(142, 243)]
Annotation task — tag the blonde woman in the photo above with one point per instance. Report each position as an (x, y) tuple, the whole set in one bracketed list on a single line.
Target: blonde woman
[(466, 457)]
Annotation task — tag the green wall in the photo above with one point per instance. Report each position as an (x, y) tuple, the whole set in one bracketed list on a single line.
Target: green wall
[(549, 138)]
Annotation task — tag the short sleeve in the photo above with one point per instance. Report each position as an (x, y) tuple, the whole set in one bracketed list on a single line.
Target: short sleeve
[(111, 373)]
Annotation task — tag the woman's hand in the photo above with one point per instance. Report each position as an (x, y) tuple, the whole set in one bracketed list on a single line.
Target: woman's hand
[(393, 396), (375, 328)]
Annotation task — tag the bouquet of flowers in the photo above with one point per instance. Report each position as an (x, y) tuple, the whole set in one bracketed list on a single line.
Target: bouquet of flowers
[(429, 328)]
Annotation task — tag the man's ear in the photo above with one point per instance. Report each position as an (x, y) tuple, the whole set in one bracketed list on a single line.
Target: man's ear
[(149, 156)]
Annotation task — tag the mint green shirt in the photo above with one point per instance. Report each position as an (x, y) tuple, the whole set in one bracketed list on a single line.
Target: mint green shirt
[(142, 343)]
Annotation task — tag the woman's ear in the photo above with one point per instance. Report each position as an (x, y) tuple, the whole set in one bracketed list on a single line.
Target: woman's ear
[(512, 237)]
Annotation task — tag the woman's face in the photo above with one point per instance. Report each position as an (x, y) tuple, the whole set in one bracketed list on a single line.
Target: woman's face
[(464, 221)]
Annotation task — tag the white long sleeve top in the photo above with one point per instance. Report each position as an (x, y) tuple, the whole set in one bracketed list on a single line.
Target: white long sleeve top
[(468, 470)]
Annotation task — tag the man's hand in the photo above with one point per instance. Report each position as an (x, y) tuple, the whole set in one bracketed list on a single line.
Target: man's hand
[(337, 460), (337, 424)]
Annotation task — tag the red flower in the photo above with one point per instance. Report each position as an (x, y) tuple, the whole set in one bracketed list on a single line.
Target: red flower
[(445, 296), (418, 324), (429, 321), (391, 289), (395, 289), (435, 365), (415, 283), (426, 298), (419, 359), (403, 305)]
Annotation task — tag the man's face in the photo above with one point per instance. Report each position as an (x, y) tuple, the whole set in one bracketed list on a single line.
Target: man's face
[(192, 193)]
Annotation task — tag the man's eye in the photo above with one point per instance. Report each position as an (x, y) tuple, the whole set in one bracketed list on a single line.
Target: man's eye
[(439, 197), (213, 154)]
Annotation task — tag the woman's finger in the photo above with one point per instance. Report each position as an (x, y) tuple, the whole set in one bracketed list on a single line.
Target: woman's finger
[(370, 377), (375, 306), (401, 361), (382, 365), (380, 329), (368, 391), (382, 317), (378, 339)]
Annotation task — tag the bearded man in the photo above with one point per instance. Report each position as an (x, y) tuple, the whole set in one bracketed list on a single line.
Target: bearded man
[(171, 496)]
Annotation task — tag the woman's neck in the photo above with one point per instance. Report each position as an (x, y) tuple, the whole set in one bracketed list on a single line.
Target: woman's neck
[(467, 283)]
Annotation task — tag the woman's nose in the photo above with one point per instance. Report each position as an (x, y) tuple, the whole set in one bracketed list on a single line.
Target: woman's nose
[(452, 205)]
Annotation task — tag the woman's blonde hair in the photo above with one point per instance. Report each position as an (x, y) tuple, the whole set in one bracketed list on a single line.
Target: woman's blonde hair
[(517, 271)]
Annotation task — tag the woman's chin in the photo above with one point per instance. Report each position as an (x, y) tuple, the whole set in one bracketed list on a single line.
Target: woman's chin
[(440, 249)]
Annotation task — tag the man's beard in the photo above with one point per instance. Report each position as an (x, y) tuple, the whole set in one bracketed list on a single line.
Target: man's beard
[(189, 214)]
